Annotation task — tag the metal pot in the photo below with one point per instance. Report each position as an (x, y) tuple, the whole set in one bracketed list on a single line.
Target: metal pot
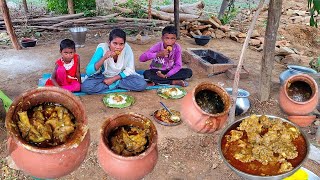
[(256, 177), (242, 103)]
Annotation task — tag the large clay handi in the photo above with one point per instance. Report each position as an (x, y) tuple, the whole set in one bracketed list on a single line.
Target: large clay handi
[(48, 162), (298, 95), (127, 167), (205, 109)]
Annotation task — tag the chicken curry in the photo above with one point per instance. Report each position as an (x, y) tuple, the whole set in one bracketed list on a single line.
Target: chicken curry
[(264, 146), (46, 125)]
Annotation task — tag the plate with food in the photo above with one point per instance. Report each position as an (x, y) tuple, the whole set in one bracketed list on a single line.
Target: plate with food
[(172, 92), (162, 116), (118, 100)]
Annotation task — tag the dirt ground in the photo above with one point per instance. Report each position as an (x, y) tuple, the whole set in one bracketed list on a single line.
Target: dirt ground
[(183, 153)]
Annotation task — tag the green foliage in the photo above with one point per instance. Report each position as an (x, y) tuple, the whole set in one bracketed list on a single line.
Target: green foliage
[(131, 31), (314, 6), (229, 15), (136, 7), (61, 6)]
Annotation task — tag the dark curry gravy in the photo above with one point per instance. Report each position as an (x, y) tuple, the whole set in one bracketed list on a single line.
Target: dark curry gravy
[(255, 167)]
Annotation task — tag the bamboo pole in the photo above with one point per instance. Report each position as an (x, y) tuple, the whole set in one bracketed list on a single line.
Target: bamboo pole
[(239, 67), (176, 17), (8, 23)]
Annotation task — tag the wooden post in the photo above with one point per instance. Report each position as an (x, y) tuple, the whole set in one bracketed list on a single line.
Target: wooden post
[(223, 8), (176, 17), (25, 6), (70, 7), (274, 14), (8, 23), (149, 9)]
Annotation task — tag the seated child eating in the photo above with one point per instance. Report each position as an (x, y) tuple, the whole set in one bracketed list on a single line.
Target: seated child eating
[(166, 65), (66, 73)]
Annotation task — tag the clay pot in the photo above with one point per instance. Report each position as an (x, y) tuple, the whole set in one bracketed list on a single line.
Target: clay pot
[(50, 162), (292, 107), (131, 167), (199, 120), (302, 121)]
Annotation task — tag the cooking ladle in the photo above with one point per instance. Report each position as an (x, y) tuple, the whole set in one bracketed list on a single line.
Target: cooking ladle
[(173, 117)]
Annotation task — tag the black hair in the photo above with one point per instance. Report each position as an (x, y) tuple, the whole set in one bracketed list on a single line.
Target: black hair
[(67, 43), (169, 30), (117, 33)]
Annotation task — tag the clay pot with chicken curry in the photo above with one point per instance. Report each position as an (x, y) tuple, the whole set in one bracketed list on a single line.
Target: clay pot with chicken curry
[(48, 134)]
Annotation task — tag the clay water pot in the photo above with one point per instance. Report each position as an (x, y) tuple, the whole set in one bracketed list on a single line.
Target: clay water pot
[(130, 167), (48, 162), (294, 104), (198, 119), (302, 121)]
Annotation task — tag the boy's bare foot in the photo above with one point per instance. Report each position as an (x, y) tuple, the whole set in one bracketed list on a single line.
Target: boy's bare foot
[(180, 83)]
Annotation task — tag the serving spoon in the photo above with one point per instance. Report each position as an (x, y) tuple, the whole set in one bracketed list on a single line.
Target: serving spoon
[(173, 117)]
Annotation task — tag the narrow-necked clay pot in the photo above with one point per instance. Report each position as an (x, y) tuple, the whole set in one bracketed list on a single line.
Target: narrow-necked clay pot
[(132, 167), (302, 121), (50, 162), (291, 107), (199, 120)]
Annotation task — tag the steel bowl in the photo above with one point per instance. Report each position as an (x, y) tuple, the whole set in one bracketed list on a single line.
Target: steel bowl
[(256, 177), (242, 103)]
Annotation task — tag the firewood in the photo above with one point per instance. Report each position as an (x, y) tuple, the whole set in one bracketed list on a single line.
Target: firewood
[(170, 17), (200, 27)]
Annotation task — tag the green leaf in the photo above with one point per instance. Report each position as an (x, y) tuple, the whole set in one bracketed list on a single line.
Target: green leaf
[(161, 93), (316, 6), (129, 101)]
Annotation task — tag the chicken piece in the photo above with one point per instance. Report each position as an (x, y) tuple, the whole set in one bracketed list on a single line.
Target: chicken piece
[(254, 138), (54, 122), (67, 120), (38, 113), (44, 130), (60, 111), (269, 138), (135, 142), (35, 136), (285, 149), (117, 52), (118, 98), (262, 154), (264, 121), (62, 133), (285, 167), (235, 135), (244, 155), (24, 123), (251, 124), (169, 48), (48, 110)]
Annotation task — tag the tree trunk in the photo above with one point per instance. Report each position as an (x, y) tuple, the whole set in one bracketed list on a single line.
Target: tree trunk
[(223, 8), (25, 6), (70, 7), (176, 17), (7, 21), (195, 8), (274, 14)]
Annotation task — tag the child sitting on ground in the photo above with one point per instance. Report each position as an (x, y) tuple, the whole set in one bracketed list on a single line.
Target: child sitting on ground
[(66, 73), (166, 65)]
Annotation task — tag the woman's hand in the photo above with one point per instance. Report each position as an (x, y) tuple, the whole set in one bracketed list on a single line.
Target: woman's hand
[(109, 81), (108, 54)]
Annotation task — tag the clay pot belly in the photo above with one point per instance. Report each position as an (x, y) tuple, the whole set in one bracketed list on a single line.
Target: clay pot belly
[(197, 119), (292, 107), (48, 166), (127, 167)]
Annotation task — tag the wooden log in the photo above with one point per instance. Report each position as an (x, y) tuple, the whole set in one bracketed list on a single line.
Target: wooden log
[(195, 8), (170, 17), (123, 10), (8, 23)]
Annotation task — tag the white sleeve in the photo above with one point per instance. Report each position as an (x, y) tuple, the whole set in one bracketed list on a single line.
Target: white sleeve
[(129, 61)]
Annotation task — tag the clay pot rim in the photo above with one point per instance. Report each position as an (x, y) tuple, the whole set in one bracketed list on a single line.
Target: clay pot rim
[(131, 158), (299, 77), (73, 142), (225, 94)]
